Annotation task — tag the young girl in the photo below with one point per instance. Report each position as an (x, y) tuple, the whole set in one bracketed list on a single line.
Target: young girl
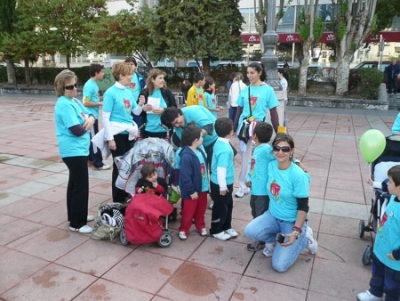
[(150, 182), (211, 100)]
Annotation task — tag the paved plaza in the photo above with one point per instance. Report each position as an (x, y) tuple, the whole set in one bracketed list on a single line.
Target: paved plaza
[(40, 259)]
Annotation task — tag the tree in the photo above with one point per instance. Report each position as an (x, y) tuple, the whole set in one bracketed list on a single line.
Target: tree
[(63, 26), (126, 32), (7, 19), (311, 29), (353, 23), (196, 29), (385, 11)]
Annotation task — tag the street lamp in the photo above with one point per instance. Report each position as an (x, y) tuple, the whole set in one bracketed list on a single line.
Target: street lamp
[(270, 40)]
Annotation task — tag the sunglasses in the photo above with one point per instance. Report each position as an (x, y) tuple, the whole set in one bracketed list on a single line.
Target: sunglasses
[(284, 149), (71, 87)]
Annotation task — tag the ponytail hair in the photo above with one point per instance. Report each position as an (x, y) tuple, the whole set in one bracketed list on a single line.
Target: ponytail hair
[(259, 67)]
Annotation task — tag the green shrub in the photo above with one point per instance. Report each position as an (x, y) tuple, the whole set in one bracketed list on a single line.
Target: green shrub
[(294, 74), (371, 79)]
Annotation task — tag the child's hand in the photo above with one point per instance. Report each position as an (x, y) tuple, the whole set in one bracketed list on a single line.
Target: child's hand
[(248, 184), (155, 184), (194, 196), (140, 190), (223, 192), (390, 255)]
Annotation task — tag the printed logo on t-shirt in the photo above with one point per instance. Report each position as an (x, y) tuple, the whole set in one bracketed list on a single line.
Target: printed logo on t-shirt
[(86, 99), (202, 170), (252, 163), (382, 222), (201, 97), (275, 188), (132, 86), (127, 104), (214, 101), (253, 102)]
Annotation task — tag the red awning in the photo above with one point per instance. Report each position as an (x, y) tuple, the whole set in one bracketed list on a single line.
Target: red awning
[(327, 37)]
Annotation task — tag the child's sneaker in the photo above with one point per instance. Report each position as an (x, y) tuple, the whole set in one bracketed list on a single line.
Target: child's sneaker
[(182, 235), (255, 246), (221, 236), (232, 233), (203, 232), (367, 296), (268, 249), (312, 243)]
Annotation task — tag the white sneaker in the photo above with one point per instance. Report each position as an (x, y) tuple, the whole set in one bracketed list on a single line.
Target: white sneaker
[(268, 249), (221, 236), (240, 193), (182, 235), (367, 296), (104, 167), (312, 243), (232, 233), (90, 218), (203, 232), (85, 229)]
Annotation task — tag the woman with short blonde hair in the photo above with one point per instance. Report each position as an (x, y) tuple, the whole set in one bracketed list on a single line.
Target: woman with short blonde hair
[(73, 123)]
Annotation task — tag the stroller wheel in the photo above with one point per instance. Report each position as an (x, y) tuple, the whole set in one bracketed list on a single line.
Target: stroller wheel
[(165, 239), (367, 256), (122, 237), (361, 228)]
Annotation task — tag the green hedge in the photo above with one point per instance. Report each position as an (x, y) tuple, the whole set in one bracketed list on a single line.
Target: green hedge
[(371, 79)]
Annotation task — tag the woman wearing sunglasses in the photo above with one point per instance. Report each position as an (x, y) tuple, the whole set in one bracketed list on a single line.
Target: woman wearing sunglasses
[(73, 123), (254, 101), (283, 227), (119, 127)]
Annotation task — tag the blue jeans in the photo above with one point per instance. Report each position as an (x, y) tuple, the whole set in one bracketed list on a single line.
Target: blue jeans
[(264, 228)]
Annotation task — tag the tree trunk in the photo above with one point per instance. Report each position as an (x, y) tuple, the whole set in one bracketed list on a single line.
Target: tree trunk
[(302, 91), (342, 71), (68, 60), (206, 66), (27, 73), (11, 72)]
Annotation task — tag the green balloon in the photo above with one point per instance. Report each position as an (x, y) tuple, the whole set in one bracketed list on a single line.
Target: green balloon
[(372, 145)]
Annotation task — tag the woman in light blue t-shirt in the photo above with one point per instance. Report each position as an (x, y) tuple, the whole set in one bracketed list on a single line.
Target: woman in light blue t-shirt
[(73, 123), (283, 227)]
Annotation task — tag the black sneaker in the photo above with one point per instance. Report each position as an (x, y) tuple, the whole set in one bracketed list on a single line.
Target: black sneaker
[(253, 247)]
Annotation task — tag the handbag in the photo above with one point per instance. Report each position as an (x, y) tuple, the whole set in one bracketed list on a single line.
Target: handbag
[(107, 225), (248, 124)]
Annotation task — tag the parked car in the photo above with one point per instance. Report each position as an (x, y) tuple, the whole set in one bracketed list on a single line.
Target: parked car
[(354, 76), (5, 65)]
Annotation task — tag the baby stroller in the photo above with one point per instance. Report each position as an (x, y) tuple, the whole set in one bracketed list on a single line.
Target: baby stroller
[(379, 168), (145, 210)]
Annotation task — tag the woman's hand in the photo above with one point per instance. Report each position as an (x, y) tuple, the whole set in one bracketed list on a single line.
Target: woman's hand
[(142, 100), (248, 184), (147, 108), (112, 145), (158, 111), (291, 238), (194, 196), (219, 109), (89, 123)]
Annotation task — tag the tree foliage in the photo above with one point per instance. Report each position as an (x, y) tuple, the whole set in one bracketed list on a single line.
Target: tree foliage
[(196, 29), (385, 11), (63, 26)]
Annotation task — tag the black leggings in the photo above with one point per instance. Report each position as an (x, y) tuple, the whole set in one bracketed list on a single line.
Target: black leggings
[(123, 145)]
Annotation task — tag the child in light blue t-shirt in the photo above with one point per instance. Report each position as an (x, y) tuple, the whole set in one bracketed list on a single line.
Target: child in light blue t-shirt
[(211, 99)]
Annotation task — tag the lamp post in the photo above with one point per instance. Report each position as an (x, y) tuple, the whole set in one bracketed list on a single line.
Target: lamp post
[(270, 40)]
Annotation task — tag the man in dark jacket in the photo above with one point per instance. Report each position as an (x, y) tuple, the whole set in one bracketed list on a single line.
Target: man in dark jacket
[(392, 72)]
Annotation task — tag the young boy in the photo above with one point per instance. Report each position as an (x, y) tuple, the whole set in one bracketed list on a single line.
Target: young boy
[(211, 100), (257, 176), (195, 95), (222, 178), (386, 252), (193, 182), (150, 182)]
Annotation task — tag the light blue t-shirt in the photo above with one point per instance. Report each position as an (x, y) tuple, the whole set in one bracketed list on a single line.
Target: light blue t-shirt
[(258, 169), (91, 94), (119, 102), (396, 125), (69, 112), (211, 101), (262, 99), (203, 166), (201, 117), (153, 120), (284, 186), (222, 157), (387, 236), (134, 87)]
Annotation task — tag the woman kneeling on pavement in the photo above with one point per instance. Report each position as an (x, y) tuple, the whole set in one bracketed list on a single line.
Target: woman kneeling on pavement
[(288, 190)]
